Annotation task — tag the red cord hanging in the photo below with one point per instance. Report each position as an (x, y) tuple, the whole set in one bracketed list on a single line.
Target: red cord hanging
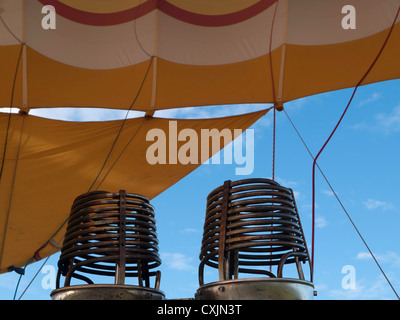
[(334, 130)]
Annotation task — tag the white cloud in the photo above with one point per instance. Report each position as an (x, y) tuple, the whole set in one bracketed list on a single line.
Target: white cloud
[(177, 261), (297, 104), (297, 194), (393, 258), (189, 230), (365, 290), (210, 111), (320, 222), (361, 126), (363, 256), (84, 114), (389, 257), (373, 97), (79, 114), (321, 287), (372, 204), (286, 183), (329, 193), (389, 122), (104, 114)]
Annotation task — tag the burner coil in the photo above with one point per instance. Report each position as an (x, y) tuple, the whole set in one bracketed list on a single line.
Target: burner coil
[(251, 224), (110, 234)]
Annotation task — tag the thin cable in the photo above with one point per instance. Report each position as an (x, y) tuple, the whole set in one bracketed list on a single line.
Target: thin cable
[(10, 31), (270, 54), (9, 120), (135, 31), (12, 188), (36, 274), (101, 169), (334, 130), (19, 279), (5, 148), (9, 113), (122, 125), (33, 278), (120, 154), (274, 99), (344, 209), (109, 153)]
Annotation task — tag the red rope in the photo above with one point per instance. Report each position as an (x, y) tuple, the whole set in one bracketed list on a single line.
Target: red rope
[(273, 168), (273, 146), (334, 130), (273, 90), (274, 98)]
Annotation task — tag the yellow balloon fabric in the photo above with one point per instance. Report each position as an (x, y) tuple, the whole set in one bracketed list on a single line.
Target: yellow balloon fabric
[(49, 163)]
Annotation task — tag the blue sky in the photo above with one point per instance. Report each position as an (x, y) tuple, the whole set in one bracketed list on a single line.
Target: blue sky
[(361, 162)]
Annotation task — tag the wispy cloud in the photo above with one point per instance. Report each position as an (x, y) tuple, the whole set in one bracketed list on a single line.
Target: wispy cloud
[(84, 114), (103, 114), (383, 122), (315, 100), (320, 222), (389, 122), (297, 195), (298, 103), (189, 230), (178, 261), (372, 98), (210, 111), (286, 183), (372, 204), (365, 290), (390, 257), (329, 193), (363, 256)]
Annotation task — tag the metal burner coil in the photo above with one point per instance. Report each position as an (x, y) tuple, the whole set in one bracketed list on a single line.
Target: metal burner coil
[(251, 224), (110, 234)]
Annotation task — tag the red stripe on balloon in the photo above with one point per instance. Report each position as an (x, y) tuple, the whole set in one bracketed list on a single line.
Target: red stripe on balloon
[(105, 19)]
